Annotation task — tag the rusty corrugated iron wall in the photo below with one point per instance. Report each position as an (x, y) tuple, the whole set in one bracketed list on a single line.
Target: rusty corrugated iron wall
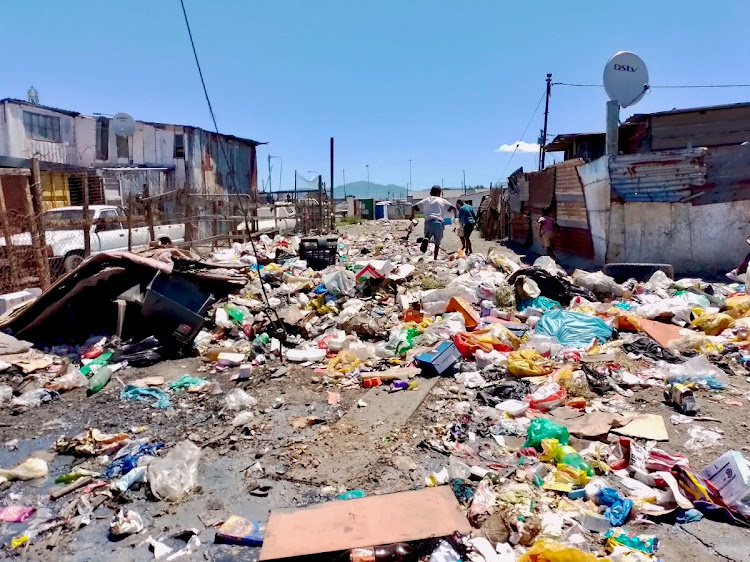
[(216, 169)]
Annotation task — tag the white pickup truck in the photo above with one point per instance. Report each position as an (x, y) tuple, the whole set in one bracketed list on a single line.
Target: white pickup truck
[(65, 244)]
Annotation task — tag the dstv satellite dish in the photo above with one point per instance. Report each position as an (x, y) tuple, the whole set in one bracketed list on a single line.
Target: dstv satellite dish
[(625, 78), (123, 125)]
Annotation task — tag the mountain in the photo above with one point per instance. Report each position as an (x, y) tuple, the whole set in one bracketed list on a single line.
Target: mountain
[(359, 189)]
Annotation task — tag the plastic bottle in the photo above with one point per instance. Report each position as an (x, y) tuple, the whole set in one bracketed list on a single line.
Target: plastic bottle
[(100, 379), (565, 454), (683, 397)]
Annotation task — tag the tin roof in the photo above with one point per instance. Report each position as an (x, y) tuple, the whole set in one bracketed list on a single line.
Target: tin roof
[(38, 106)]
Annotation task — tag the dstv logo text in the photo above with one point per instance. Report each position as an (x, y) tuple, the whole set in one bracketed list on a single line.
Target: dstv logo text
[(624, 68)]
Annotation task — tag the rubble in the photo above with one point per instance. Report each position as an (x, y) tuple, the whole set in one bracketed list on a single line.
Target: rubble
[(544, 398)]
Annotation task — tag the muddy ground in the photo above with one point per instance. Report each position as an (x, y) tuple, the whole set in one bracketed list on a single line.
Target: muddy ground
[(374, 448)]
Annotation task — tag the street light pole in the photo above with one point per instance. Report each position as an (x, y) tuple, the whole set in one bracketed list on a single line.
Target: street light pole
[(368, 178), (408, 186), (464, 171)]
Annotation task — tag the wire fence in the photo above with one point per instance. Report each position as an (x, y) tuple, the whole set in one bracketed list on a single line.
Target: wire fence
[(48, 228)]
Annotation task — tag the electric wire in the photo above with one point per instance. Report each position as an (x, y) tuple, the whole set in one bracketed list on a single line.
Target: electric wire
[(223, 148), (524, 133), (676, 86)]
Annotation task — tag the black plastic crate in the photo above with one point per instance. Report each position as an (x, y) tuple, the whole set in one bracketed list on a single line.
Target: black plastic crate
[(319, 252)]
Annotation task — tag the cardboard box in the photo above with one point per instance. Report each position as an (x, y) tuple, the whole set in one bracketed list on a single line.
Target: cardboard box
[(441, 362), (730, 474)]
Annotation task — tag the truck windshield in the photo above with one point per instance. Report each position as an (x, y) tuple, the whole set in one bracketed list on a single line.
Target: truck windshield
[(62, 216)]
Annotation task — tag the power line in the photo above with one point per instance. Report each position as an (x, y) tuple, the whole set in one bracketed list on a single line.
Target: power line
[(661, 87), (524, 133), (223, 148)]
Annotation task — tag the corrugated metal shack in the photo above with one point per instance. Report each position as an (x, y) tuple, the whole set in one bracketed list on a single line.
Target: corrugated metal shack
[(559, 187), (678, 192)]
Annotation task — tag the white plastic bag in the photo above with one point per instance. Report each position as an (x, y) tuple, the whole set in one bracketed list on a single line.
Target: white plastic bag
[(238, 399), (6, 393), (340, 282), (548, 264), (701, 438), (658, 280), (29, 469), (175, 475), (442, 330), (597, 282)]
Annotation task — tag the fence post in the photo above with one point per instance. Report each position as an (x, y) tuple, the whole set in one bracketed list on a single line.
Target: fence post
[(12, 268), (129, 218), (86, 222), (41, 262), (38, 207)]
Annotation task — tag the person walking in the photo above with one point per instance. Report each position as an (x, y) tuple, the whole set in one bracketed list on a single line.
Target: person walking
[(435, 209), (467, 219), (548, 232)]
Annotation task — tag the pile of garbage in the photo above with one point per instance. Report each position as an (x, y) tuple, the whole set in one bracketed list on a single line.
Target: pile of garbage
[(544, 446)]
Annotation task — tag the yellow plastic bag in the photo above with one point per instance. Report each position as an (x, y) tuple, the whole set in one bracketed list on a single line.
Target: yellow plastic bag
[(546, 550), (625, 321), (714, 323), (528, 363), (343, 363), (739, 304)]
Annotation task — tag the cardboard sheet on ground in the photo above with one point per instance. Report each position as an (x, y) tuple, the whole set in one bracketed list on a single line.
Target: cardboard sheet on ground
[(594, 424), (646, 426), (374, 520), (662, 333)]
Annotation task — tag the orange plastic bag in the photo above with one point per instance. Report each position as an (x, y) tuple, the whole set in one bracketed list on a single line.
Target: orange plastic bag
[(468, 343), (627, 322)]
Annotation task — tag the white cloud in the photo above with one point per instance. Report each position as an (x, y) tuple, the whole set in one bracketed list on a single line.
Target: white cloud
[(530, 147)]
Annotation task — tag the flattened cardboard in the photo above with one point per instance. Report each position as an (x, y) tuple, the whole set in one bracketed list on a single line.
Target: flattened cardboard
[(374, 520), (646, 426)]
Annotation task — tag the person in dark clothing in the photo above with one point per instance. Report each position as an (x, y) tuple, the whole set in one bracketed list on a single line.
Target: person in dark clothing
[(468, 220)]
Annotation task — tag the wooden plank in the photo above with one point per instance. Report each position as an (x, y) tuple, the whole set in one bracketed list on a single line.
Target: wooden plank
[(340, 525), (15, 172)]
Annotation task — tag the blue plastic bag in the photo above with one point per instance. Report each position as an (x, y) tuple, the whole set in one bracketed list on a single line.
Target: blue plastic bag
[(138, 394), (542, 303), (618, 508), (573, 329)]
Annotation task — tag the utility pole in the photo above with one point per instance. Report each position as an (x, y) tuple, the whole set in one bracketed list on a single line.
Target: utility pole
[(295, 186), (464, 171), (269, 174), (408, 186), (546, 114), (368, 178), (333, 207), (344, 173)]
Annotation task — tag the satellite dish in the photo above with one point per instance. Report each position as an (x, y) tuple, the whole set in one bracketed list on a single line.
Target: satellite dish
[(123, 125), (626, 78)]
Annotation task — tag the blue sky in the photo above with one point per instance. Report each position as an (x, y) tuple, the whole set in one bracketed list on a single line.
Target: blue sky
[(443, 83)]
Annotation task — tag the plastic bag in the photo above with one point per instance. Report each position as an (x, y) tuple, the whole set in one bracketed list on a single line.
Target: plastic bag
[(541, 428), (175, 475), (699, 370), (238, 399), (189, 383), (498, 338), (618, 507), (626, 322), (29, 469), (701, 439), (548, 264), (546, 550), (138, 394), (543, 304), (341, 282), (501, 262), (6, 393), (483, 503), (442, 330), (528, 363), (713, 324), (573, 329), (658, 280), (598, 283), (738, 304), (527, 288), (546, 345), (547, 397)]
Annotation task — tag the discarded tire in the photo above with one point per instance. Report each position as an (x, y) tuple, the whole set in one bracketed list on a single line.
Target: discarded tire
[(639, 271)]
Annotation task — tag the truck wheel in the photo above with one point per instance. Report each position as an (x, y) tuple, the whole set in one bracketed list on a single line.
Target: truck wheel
[(72, 261)]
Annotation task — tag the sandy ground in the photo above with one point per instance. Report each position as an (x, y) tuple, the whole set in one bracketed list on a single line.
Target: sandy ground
[(373, 448)]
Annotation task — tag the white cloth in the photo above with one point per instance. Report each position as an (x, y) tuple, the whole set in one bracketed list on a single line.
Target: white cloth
[(434, 208)]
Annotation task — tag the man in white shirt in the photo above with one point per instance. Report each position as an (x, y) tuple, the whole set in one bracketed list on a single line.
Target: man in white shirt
[(435, 208)]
